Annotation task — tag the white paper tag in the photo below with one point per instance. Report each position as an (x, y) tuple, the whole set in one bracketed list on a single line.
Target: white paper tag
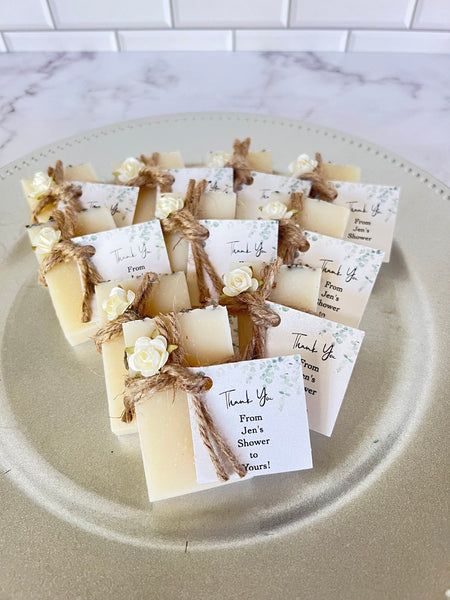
[(252, 198), (259, 408), (373, 213), (219, 180), (234, 241), (348, 275), (328, 350), (128, 252), (119, 199)]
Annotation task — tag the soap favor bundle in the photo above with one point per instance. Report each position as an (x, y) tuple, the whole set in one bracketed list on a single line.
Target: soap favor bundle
[(224, 299)]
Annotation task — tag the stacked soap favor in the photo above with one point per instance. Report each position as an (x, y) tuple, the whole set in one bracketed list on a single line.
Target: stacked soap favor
[(225, 300)]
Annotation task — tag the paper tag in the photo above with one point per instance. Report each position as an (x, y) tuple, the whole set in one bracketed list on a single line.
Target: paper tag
[(259, 408), (128, 252), (373, 213), (219, 180), (348, 275), (328, 350), (252, 198), (119, 199)]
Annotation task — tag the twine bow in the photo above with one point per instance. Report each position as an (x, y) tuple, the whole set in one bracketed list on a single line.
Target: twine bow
[(177, 376), (320, 187), (261, 315), (151, 175), (136, 311), (184, 222), (60, 192), (239, 162), (291, 238), (66, 251)]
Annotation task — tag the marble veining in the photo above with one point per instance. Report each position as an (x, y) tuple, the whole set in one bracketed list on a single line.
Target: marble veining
[(399, 101)]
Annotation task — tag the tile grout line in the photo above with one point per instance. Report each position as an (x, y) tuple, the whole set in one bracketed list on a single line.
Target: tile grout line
[(233, 40), (413, 14), (171, 14), (100, 29), (50, 13), (117, 38), (289, 14), (2, 38), (347, 40)]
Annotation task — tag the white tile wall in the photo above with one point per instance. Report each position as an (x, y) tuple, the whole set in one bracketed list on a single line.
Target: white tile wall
[(291, 40), (230, 13), (24, 14), (296, 25), (176, 40), (351, 13), (399, 41), (432, 14)]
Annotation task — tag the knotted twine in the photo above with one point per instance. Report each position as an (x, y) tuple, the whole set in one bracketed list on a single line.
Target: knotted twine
[(291, 238), (66, 193), (239, 162), (134, 312), (320, 187), (151, 175), (177, 376), (184, 222)]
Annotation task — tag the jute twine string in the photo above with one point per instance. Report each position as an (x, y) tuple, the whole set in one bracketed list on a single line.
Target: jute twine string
[(261, 315), (184, 222), (175, 375), (66, 251), (151, 175), (61, 192), (239, 162), (136, 311), (320, 187), (291, 238)]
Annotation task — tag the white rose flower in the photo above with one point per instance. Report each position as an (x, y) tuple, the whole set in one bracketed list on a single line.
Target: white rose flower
[(218, 160), (40, 185), (117, 302), (44, 240), (167, 204), (128, 170), (276, 210), (303, 164), (149, 356), (239, 280)]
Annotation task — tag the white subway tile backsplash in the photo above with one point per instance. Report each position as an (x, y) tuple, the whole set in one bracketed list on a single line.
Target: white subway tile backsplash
[(176, 40), (60, 41), (291, 40), (95, 14), (230, 13), (432, 14), (24, 14), (351, 13), (2, 45), (400, 41)]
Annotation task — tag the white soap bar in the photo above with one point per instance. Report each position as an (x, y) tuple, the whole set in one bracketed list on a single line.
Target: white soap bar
[(94, 220), (320, 216), (163, 420), (169, 294), (341, 172), (213, 205), (145, 207)]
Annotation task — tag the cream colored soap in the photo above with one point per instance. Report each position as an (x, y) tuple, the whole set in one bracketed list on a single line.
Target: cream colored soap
[(94, 220), (320, 216), (334, 172), (213, 205), (169, 295), (260, 161), (163, 420), (83, 172), (145, 206)]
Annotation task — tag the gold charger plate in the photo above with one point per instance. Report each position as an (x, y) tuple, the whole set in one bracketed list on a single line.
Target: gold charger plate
[(368, 521)]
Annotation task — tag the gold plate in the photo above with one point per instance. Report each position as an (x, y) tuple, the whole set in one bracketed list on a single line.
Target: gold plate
[(367, 523)]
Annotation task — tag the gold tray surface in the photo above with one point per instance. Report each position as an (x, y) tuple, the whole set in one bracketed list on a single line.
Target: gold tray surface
[(368, 522)]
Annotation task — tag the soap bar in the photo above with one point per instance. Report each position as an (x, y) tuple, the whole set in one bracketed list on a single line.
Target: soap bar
[(77, 173), (120, 200), (145, 207), (94, 220), (120, 253), (258, 161), (317, 215), (163, 420), (213, 205), (332, 171), (170, 294)]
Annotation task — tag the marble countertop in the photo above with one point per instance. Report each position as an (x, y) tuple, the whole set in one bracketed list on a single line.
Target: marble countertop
[(399, 101)]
